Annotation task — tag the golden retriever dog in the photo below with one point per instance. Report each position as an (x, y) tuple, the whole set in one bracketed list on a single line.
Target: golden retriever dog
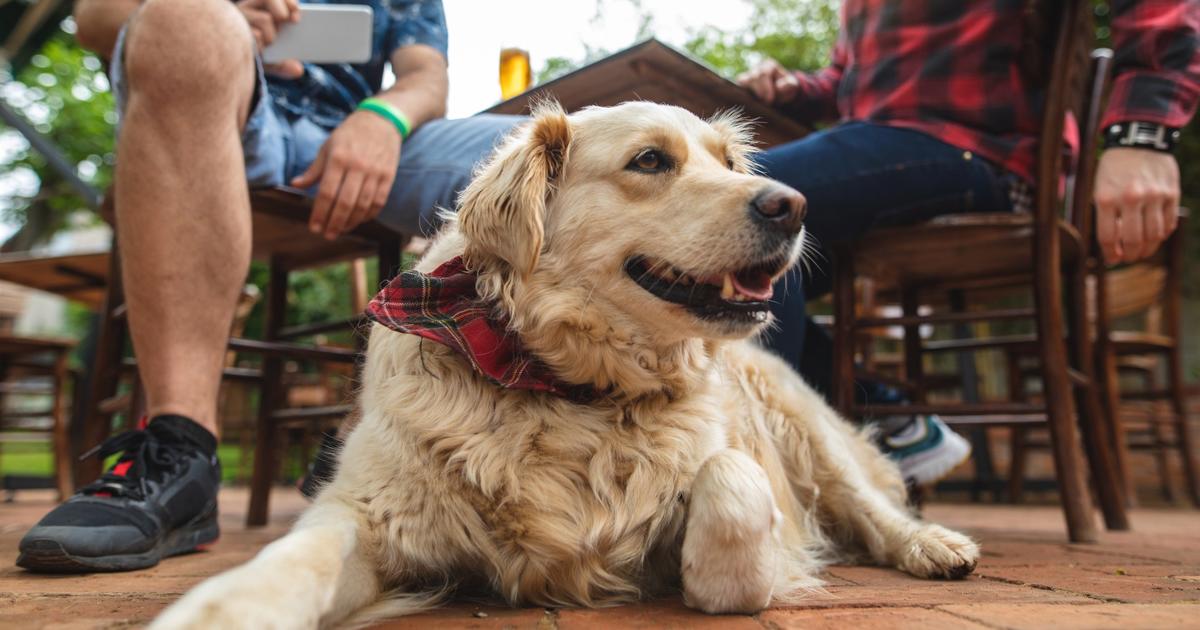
[(631, 252)]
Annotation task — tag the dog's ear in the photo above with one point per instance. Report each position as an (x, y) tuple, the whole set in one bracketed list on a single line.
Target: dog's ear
[(502, 211)]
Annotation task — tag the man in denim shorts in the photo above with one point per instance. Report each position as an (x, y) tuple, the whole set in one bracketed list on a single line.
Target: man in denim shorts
[(202, 121)]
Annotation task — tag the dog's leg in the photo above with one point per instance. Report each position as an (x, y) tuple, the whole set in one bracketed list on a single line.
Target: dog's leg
[(858, 491), (859, 487), (730, 548), (316, 574)]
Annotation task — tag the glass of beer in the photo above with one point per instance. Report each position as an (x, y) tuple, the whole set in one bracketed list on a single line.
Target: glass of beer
[(515, 75)]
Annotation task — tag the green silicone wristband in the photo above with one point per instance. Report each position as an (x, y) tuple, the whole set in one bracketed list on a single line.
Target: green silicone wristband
[(388, 111)]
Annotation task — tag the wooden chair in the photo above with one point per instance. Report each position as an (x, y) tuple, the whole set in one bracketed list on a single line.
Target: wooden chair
[(1153, 289), (1045, 251), (42, 357), (281, 237)]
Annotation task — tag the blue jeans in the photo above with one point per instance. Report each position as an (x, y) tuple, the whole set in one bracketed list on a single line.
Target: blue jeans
[(436, 161), (858, 176)]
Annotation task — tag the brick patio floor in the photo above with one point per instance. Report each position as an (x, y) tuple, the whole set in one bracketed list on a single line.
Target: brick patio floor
[(1028, 578)]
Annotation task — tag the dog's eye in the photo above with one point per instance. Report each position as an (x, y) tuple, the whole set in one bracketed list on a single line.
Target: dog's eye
[(649, 161)]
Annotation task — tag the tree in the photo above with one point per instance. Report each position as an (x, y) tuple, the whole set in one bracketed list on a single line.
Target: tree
[(798, 33), (64, 93)]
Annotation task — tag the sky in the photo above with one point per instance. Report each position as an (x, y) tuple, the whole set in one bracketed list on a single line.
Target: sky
[(479, 29)]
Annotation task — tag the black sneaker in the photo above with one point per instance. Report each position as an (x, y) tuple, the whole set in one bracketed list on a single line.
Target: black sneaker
[(159, 500)]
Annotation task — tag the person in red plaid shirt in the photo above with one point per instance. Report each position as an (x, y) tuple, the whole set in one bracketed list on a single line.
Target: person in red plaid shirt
[(938, 104)]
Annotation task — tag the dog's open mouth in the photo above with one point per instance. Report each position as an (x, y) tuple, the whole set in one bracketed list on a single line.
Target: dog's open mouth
[(742, 293)]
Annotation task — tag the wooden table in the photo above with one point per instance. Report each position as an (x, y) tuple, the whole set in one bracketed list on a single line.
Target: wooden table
[(80, 276), (653, 71)]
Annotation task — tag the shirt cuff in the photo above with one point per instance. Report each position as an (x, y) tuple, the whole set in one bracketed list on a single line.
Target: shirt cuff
[(1152, 98)]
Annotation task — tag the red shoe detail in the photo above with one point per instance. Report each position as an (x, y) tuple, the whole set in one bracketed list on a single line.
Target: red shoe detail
[(141, 425), (208, 545), (122, 467)]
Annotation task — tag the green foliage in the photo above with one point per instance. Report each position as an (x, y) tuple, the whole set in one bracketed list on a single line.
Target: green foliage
[(798, 33), (1188, 154), (314, 295), (555, 67), (65, 94)]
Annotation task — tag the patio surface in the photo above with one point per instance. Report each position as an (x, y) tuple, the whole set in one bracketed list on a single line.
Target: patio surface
[(1028, 578)]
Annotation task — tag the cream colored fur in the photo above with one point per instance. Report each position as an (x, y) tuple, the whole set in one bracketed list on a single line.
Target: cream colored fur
[(710, 469)]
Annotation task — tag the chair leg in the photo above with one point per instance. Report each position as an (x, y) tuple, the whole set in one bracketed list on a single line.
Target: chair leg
[(1162, 444), (62, 441), (914, 370), (1110, 396), (1060, 399), (1183, 429), (266, 446), (1093, 420), (1019, 436), (106, 369), (1016, 469), (1109, 389), (390, 256), (843, 332)]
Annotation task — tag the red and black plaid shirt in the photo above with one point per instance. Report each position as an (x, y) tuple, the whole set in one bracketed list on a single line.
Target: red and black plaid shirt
[(952, 69)]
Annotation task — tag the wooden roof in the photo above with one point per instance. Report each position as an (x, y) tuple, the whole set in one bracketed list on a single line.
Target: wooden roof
[(82, 276), (653, 71)]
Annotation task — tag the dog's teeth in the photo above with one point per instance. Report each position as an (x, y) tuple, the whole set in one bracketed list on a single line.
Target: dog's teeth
[(668, 275), (727, 288), (685, 280)]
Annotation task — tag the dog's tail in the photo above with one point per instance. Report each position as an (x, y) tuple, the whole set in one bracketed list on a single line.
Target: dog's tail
[(396, 604)]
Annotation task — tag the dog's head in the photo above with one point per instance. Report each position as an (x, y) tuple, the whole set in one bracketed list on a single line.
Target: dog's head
[(642, 215)]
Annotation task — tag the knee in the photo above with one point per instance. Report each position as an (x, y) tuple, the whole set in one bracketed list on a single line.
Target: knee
[(188, 48), (732, 491)]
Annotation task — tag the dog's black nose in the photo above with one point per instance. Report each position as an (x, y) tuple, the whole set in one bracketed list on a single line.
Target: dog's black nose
[(780, 208)]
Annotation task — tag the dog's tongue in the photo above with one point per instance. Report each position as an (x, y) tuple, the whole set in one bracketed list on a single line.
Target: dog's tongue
[(756, 285)]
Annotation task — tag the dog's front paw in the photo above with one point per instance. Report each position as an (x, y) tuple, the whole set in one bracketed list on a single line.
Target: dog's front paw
[(939, 553), (236, 599), (731, 546)]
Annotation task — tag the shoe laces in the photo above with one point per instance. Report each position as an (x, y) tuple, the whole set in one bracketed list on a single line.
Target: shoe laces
[(146, 456)]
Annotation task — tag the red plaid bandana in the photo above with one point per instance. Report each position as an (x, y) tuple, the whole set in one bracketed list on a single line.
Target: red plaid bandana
[(444, 306)]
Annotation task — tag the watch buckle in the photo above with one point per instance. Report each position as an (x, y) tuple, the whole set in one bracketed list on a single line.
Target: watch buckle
[(1143, 134)]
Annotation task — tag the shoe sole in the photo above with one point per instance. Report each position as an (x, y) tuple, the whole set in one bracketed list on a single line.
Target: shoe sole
[(48, 556), (926, 468)]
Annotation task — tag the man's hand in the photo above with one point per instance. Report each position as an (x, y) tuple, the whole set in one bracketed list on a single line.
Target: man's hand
[(265, 17), (1137, 202), (770, 82), (355, 166)]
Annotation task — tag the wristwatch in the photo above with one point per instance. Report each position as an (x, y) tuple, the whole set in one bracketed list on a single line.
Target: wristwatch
[(1141, 135)]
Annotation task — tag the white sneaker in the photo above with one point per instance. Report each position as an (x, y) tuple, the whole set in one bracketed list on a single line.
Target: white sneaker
[(926, 449)]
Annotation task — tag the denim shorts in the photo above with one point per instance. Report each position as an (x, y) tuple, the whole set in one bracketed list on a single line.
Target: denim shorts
[(436, 161)]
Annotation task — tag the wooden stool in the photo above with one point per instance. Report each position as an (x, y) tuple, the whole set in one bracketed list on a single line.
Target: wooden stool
[(1046, 252), (20, 356)]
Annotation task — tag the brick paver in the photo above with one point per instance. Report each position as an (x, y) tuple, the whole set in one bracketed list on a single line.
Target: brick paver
[(1090, 617), (1029, 577), (847, 618)]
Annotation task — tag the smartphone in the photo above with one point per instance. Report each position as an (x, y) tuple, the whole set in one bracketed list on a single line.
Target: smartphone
[(326, 33)]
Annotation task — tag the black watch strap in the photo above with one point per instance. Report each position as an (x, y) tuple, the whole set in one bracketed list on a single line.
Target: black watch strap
[(1141, 135)]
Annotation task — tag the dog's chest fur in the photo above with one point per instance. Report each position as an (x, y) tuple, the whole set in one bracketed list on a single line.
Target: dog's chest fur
[(577, 505), (549, 502)]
